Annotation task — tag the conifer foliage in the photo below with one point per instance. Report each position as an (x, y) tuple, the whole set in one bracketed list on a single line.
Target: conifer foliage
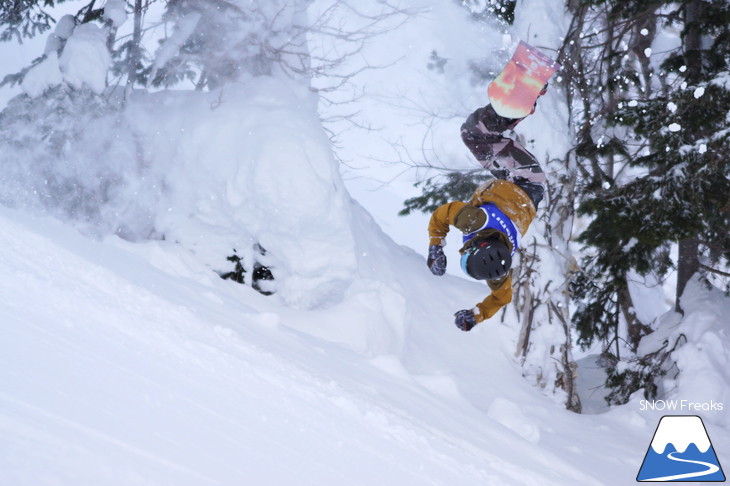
[(21, 19), (654, 148)]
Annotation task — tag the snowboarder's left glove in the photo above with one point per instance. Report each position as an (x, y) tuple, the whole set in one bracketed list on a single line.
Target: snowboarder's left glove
[(436, 260), (465, 320)]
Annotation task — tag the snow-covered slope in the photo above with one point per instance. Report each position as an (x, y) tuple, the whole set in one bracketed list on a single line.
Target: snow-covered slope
[(133, 364)]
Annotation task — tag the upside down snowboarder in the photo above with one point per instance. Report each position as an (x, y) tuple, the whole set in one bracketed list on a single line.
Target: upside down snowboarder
[(497, 215)]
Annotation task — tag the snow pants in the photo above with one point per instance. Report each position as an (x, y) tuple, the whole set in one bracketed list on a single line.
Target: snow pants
[(505, 158)]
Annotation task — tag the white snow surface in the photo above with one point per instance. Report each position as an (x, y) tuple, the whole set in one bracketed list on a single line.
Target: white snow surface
[(252, 164), (128, 364), (42, 76), (116, 12), (85, 59), (65, 27)]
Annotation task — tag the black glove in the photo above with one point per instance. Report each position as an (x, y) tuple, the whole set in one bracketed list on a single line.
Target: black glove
[(465, 320), (436, 260)]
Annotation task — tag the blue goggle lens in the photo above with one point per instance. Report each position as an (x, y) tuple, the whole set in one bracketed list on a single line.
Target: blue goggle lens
[(464, 258)]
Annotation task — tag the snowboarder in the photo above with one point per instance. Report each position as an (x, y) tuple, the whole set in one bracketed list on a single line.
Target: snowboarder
[(497, 215)]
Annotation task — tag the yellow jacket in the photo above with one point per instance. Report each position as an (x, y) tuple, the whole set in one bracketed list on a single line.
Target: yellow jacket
[(467, 217)]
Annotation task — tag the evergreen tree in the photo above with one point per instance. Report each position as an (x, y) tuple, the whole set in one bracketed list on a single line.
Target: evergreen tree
[(21, 19), (131, 62), (441, 189), (66, 147), (24, 19), (69, 153), (667, 129)]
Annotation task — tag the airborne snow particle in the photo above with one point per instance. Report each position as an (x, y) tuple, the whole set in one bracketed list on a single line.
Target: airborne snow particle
[(703, 148), (675, 127), (699, 92), (671, 107)]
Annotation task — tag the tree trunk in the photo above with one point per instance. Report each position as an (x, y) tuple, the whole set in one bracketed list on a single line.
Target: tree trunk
[(635, 329), (134, 52), (693, 40), (527, 313), (689, 263), (687, 266)]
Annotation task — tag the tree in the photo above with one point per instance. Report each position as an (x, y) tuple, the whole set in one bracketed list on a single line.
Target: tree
[(541, 297), (657, 175), (131, 62), (22, 19), (25, 18), (66, 146)]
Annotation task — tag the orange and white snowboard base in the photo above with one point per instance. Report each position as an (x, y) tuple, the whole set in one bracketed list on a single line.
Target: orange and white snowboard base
[(514, 91)]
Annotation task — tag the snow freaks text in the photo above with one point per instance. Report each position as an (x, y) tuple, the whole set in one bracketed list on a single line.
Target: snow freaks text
[(681, 406)]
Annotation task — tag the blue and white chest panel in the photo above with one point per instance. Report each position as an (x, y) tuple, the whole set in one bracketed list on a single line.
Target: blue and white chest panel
[(499, 221)]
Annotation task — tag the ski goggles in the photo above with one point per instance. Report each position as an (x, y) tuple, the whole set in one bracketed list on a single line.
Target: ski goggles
[(465, 257)]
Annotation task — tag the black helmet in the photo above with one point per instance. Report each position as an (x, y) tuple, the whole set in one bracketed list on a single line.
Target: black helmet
[(487, 259)]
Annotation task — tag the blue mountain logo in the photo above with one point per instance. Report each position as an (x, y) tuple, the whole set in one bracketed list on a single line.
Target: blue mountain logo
[(681, 451)]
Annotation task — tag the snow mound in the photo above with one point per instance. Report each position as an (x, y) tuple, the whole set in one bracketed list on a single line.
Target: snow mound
[(704, 360), (702, 354), (85, 59), (115, 11), (251, 165), (42, 76), (83, 62), (511, 416)]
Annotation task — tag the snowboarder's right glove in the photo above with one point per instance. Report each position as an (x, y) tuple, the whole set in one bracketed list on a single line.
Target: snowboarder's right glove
[(436, 260), (465, 320)]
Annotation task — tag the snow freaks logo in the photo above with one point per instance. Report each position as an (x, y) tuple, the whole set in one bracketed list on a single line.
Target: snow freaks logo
[(681, 406), (681, 451)]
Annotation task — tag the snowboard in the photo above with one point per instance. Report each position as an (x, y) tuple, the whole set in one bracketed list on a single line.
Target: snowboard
[(515, 90)]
